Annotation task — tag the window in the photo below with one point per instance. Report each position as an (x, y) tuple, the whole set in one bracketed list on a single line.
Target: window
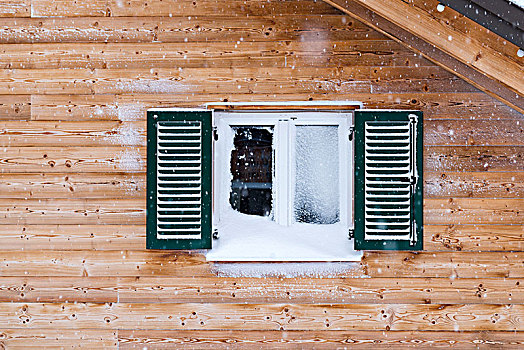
[(284, 184)]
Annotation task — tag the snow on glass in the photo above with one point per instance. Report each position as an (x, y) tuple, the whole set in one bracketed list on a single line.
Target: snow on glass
[(317, 175)]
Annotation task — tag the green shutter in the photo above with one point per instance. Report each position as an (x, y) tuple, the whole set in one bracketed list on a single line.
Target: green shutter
[(179, 179), (388, 180)]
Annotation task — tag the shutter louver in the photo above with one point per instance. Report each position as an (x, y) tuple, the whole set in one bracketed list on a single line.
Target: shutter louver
[(387, 183), (179, 214), (179, 180)]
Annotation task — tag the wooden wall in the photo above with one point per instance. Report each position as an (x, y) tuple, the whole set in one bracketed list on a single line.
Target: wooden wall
[(75, 80)]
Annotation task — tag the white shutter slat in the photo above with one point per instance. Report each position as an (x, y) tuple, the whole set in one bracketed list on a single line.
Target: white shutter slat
[(179, 215), (387, 140)]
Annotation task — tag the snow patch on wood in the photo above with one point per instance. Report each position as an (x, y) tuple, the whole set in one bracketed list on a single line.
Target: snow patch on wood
[(129, 160), (288, 270)]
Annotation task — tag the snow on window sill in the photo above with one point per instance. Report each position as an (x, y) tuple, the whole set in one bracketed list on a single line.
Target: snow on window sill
[(254, 238)]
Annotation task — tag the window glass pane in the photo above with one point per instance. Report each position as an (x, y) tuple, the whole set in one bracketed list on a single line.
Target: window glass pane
[(317, 175), (252, 170)]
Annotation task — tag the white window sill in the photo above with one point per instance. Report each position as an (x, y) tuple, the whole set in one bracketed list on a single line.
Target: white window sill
[(253, 238)]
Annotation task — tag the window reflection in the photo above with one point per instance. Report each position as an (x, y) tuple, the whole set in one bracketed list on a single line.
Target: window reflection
[(252, 170)]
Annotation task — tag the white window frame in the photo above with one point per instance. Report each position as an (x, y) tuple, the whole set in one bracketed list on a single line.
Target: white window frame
[(284, 123)]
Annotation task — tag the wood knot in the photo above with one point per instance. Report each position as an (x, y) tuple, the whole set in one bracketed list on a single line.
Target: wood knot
[(478, 57)]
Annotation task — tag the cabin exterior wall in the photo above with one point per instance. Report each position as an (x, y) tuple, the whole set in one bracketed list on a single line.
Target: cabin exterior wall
[(75, 81)]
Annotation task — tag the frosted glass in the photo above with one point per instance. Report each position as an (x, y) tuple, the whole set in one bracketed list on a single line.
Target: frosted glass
[(317, 175)]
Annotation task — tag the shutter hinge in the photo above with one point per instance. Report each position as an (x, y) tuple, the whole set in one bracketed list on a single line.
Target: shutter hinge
[(351, 132), (215, 133), (351, 233)]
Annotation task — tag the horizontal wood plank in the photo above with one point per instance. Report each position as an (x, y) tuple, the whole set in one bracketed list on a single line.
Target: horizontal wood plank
[(49, 338), (139, 8), (181, 29), (263, 316), (474, 132), (476, 106), (444, 264), (261, 290), (182, 339), (473, 184), (95, 133), (160, 81), (474, 158), (59, 289), (169, 263), (73, 211), (108, 263), (143, 263), (15, 8), (474, 237), (321, 290), (213, 54), (474, 211), (73, 237), (79, 185), (15, 107), (132, 237), (133, 133), (131, 211)]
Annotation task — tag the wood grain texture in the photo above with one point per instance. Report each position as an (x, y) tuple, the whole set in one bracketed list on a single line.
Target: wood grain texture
[(200, 316), (58, 339), (73, 237), (452, 237), (182, 29), (473, 184), (76, 80), (131, 211), (181, 339), (168, 289), (469, 106), (143, 8), (474, 211), (212, 81), (128, 263), (15, 107), (321, 290), (483, 62), (133, 133), (79, 185), (474, 133), (96, 133), (448, 265), (216, 55), (181, 264), (15, 8), (474, 158), (73, 211), (474, 237)]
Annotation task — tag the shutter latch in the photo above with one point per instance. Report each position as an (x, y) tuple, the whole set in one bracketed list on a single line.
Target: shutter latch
[(215, 233), (351, 233), (215, 133), (351, 131)]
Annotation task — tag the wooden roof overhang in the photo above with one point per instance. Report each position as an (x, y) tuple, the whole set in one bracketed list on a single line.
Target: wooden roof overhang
[(500, 16), (451, 41)]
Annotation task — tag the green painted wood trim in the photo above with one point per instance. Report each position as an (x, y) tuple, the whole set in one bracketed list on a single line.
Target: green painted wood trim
[(152, 242), (417, 210)]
